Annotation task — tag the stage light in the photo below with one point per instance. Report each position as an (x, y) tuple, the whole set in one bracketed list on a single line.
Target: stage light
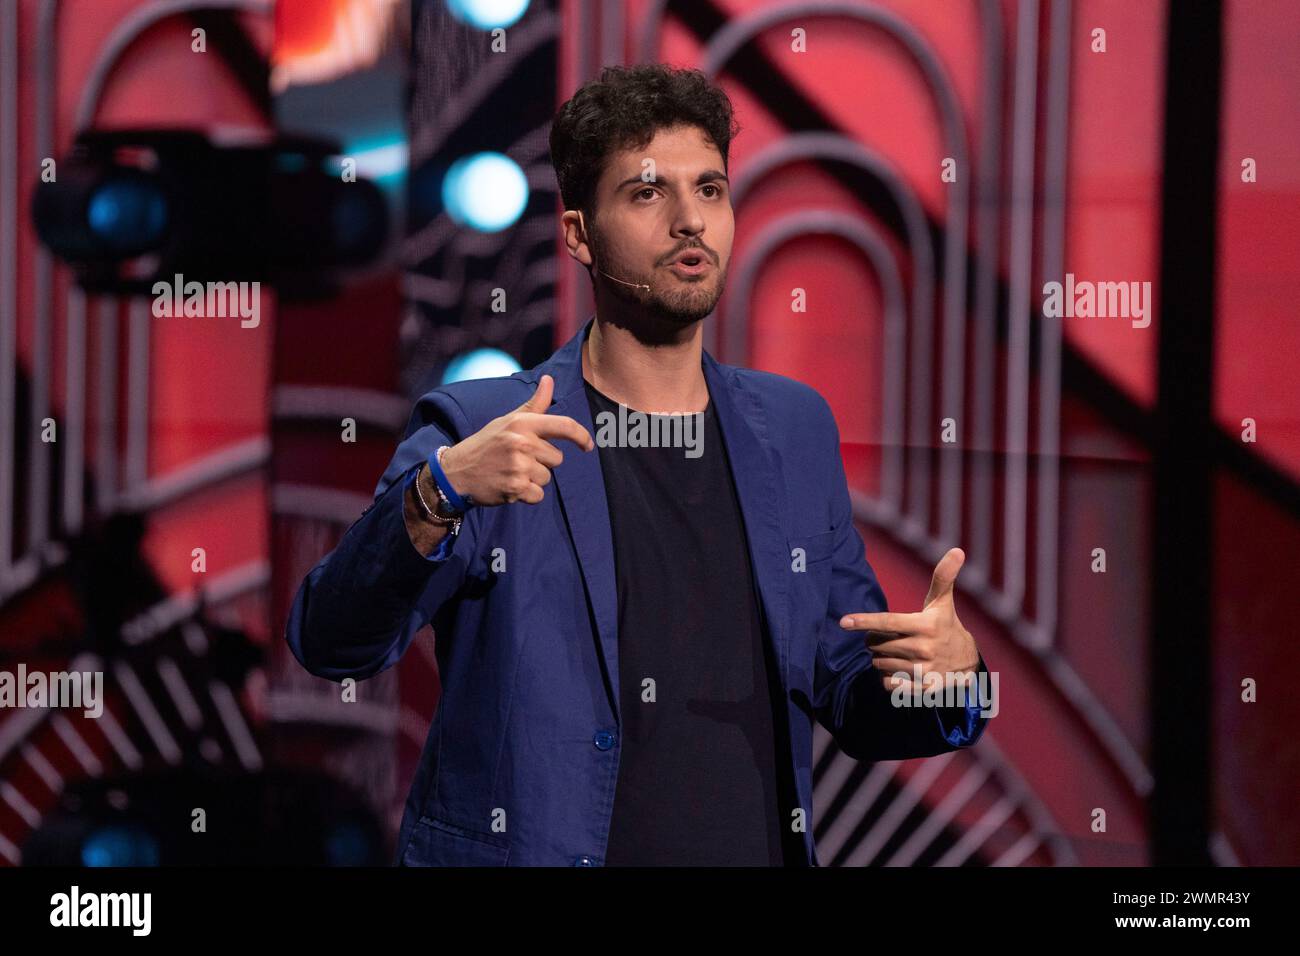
[(382, 162), (132, 207), (480, 363), (486, 191), (487, 14), (120, 846), (128, 212)]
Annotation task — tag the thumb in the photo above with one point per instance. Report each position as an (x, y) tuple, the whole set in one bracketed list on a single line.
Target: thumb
[(540, 400), (945, 574)]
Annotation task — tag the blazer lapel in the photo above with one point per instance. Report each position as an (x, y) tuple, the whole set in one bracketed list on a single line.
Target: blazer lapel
[(761, 495), (581, 490)]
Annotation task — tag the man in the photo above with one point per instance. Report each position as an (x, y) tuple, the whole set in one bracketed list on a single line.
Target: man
[(631, 660)]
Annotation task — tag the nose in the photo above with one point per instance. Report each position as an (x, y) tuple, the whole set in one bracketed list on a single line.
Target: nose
[(688, 220)]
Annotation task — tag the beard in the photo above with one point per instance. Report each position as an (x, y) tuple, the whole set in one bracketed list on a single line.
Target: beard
[(678, 302)]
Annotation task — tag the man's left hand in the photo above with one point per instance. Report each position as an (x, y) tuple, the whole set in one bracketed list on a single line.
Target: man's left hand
[(929, 641)]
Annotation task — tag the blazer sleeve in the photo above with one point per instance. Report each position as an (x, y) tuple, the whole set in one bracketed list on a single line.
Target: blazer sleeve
[(849, 697), (356, 611)]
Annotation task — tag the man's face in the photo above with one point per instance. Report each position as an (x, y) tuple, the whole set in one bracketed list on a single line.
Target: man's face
[(655, 204)]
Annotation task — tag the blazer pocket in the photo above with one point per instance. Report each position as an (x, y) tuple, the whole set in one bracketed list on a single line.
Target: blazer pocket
[(437, 842)]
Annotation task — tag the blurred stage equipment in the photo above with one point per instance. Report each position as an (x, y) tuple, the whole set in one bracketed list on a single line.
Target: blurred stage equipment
[(129, 208)]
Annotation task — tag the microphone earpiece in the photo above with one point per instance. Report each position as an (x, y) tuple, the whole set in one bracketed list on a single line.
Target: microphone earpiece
[(635, 285)]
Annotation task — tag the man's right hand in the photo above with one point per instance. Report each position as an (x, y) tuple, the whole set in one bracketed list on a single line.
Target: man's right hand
[(510, 459)]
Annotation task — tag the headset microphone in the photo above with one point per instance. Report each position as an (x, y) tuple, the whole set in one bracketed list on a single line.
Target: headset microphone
[(635, 285)]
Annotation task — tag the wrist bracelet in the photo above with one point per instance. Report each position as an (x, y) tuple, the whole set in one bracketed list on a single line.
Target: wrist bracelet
[(461, 503), (430, 514)]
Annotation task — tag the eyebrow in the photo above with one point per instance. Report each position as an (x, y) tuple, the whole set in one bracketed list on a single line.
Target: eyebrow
[(708, 176)]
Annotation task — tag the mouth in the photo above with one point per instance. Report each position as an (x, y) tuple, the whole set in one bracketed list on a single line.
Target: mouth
[(691, 263)]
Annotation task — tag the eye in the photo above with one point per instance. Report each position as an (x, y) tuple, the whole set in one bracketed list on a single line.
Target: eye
[(717, 191), (644, 189)]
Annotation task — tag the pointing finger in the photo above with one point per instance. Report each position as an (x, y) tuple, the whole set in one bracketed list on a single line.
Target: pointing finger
[(914, 623), (562, 426)]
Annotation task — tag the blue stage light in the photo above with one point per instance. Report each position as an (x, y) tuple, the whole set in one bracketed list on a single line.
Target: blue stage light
[(487, 14), (486, 191), (480, 363), (120, 846), (383, 161), (129, 214)]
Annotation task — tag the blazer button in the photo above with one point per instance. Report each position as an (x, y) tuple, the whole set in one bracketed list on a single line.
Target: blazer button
[(603, 740), (584, 861)]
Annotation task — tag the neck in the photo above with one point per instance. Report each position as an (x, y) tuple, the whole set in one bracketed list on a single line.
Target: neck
[(662, 378)]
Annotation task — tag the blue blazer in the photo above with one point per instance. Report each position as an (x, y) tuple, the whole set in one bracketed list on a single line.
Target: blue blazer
[(522, 755)]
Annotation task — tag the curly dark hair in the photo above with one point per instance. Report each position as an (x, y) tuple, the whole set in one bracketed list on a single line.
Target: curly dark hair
[(623, 108)]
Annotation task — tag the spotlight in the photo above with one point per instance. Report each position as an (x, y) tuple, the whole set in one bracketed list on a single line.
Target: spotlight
[(480, 363), (487, 14), (120, 846), (128, 213), (486, 191), (132, 207)]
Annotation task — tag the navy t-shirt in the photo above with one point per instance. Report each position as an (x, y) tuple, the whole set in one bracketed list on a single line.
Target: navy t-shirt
[(704, 767)]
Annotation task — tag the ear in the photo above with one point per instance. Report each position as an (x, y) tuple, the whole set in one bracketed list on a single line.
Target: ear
[(575, 235)]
